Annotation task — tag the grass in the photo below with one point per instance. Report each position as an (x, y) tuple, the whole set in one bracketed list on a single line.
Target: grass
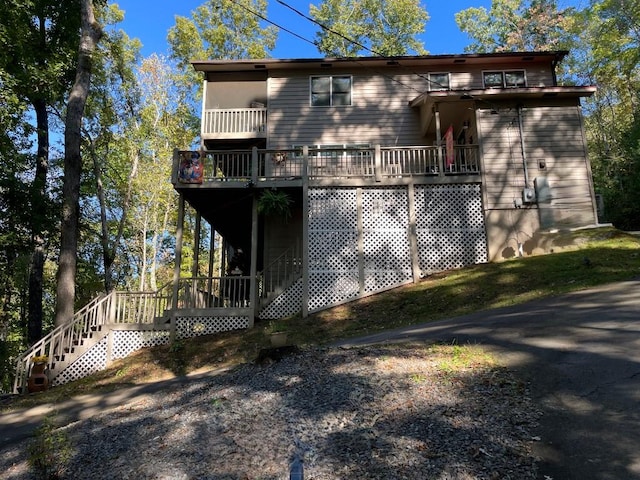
[(581, 259)]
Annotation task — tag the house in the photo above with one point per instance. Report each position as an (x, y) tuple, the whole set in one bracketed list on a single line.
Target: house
[(395, 167), (332, 179)]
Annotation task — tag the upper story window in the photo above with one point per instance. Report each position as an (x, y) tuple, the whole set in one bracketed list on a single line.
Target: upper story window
[(439, 81), (510, 78), (329, 91)]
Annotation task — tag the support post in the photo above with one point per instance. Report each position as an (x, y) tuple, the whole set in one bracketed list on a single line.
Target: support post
[(439, 140), (178, 252), (305, 232), (413, 234), (377, 162), (253, 284)]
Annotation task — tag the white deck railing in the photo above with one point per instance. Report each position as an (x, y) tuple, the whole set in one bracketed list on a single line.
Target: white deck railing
[(349, 162), (241, 121)]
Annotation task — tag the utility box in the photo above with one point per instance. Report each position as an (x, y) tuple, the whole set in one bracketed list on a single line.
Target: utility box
[(528, 195), (542, 189)]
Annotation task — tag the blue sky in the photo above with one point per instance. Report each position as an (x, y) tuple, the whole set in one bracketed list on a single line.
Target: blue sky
[(149, 20)]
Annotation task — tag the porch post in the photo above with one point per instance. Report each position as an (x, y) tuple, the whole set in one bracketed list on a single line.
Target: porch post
[(439, 139), (178, 251), (305, 232), (413, 234), (196, 245), (212, 246), (253, 290)]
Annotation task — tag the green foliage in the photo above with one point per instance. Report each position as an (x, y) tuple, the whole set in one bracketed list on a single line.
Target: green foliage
[(384, 28), (220, 29), (275, 203), (515, 25), (608, 55), (49, 451)]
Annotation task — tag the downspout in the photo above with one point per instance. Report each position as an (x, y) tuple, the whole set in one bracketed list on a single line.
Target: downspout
[(524, 152)]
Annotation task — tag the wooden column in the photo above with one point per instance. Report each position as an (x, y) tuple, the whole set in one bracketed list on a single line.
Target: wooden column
[(178, 251), (305, 231), (253, 284)]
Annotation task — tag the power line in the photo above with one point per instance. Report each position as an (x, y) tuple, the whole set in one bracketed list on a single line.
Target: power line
[(329, 29), (262, 17), (350, 40)]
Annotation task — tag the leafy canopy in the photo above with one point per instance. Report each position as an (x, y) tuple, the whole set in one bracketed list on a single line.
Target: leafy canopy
[(363, 27), (515, 25)]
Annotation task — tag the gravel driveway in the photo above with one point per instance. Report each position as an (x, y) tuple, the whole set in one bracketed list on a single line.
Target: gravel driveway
[(376, 412)]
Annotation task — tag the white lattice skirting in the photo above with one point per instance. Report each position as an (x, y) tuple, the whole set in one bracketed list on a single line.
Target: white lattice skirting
[(359, 238), (125, 342)]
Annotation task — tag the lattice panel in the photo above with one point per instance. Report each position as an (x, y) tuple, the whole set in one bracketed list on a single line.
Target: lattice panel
[(126, 342), (187, 327), (385, 219), (333, 251), (333, 247), (385, 209), (332, 209), (450, 226), (288, 303), (330, 288), (90, 362)]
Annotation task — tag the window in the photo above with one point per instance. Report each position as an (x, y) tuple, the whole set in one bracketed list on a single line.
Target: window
[(514, 78), (439, 81), (330, 91), (511, 78)]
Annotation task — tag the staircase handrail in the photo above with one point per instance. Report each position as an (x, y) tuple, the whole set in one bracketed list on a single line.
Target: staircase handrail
[(104, 308), (291, 262), (54, 344)]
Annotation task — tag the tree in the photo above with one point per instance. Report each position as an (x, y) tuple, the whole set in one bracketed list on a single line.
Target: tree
[(515, 25), (361, 27), (90, 34), (35, 55), (220, 29), (609, 56)]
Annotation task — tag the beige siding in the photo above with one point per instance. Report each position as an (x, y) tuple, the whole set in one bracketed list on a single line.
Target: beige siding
[(379, 113), (553, 137)]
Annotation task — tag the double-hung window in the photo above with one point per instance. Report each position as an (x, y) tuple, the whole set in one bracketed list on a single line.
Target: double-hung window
[(509, 78), (439, 81), (331, 91)]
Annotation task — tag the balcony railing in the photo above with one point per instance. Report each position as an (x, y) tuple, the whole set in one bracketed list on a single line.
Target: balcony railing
[(234, 123), (315, 163)]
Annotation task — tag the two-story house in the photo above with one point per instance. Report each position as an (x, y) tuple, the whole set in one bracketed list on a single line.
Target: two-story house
[(395, 167), (333, 179)]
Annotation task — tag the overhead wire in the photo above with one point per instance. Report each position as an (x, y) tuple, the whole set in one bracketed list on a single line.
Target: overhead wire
[(315, 44)]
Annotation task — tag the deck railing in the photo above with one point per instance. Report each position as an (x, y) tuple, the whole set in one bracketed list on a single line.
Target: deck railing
[(210, 292), (339, 162), (116, 307), (280, 273), (226, 121)]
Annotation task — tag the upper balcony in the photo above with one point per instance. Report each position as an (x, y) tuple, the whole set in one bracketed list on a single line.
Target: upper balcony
[(234, 123)]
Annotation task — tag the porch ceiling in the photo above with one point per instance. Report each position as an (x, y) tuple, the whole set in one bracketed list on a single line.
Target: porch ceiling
[(228, 211)]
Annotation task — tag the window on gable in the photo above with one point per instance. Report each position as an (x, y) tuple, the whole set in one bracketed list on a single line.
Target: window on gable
[(510, 78), (439, 81), (330, 91)]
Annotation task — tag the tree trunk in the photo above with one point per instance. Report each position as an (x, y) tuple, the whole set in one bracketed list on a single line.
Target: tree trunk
[(89, 36), (38, 221)]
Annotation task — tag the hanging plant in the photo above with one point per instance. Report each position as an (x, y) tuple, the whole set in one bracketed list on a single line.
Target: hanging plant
[(275, 203)]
